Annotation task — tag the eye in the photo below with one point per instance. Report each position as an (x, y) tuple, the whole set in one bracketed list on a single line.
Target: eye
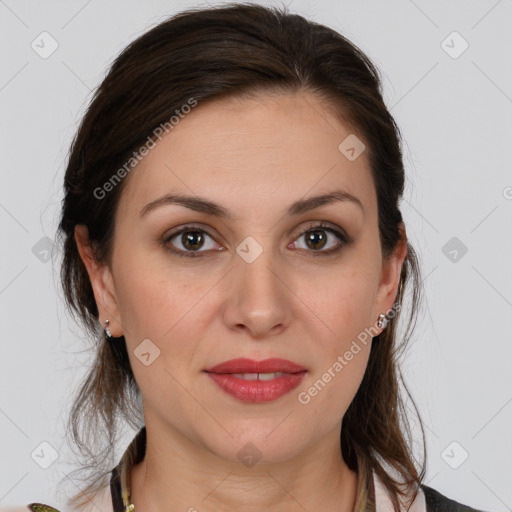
[(189, 241), (318, 237)]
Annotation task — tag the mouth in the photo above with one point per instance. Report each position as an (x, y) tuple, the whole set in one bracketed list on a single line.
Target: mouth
[(248, 366), (257, 376), (257, 381)]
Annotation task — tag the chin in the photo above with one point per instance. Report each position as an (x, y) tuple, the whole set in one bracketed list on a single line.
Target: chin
[(270, 442)]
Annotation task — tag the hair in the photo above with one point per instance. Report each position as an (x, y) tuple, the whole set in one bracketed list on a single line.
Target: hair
[(234, 50)]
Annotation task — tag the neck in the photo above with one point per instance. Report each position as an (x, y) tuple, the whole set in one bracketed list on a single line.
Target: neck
[(178, 475)]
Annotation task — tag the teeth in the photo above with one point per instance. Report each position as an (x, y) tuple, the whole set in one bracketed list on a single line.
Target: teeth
[(257, 376), (246, 376), (268, 376)]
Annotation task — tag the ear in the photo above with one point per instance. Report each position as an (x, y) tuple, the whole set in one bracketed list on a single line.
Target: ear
[(102, 282), (390, 275)]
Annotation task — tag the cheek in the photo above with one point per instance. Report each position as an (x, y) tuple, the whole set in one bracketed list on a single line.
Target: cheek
[(145, 306), (167, 312), (341, 309), (341, 304), (164, 313), (151, 302), (331, 389)]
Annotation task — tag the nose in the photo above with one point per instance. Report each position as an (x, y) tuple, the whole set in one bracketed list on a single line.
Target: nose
[(258, 300)]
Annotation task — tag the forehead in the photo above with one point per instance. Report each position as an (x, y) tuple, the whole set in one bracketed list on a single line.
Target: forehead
[(261, 151)]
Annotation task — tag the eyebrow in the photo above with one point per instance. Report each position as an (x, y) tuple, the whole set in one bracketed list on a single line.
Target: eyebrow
[(200, 204)]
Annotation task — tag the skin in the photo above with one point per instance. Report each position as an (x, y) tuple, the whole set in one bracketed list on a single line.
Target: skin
[(254, 156)]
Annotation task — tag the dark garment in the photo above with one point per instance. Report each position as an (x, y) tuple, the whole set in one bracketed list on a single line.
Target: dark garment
[(436, 502)]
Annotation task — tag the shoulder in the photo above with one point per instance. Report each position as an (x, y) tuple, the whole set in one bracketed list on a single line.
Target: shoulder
[(436, 502)]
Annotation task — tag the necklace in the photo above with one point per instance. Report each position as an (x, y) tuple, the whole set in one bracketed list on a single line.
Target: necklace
[(128, 507)]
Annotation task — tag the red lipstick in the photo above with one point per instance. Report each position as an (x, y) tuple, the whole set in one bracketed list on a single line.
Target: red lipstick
[(257, 381), (244, 365)]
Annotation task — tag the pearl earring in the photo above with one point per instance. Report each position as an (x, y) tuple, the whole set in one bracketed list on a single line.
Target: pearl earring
[(107, 330), (383, 321)]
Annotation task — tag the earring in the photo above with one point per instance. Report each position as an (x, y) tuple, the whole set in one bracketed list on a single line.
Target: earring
[(383, 321), (107, 330)]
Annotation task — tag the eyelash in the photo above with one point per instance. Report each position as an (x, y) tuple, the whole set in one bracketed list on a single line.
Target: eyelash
[(345, 240)]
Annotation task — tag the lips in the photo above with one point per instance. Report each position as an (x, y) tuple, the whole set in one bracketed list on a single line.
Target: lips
[(257, 381), (244, 365)]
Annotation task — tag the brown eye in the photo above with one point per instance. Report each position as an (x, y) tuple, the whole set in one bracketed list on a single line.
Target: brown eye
[(322, 240), (189, 241), (192, 240), (316, 239)]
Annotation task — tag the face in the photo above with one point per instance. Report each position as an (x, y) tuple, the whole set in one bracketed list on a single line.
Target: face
[(265, 280)]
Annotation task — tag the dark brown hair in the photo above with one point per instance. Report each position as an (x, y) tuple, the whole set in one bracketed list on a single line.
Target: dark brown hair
[(206, 54)]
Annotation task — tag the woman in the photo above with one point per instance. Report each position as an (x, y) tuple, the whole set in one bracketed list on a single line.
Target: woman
[(231, 220)]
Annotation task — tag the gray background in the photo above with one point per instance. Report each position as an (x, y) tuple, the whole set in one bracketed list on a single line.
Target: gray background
[(455, 113)]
